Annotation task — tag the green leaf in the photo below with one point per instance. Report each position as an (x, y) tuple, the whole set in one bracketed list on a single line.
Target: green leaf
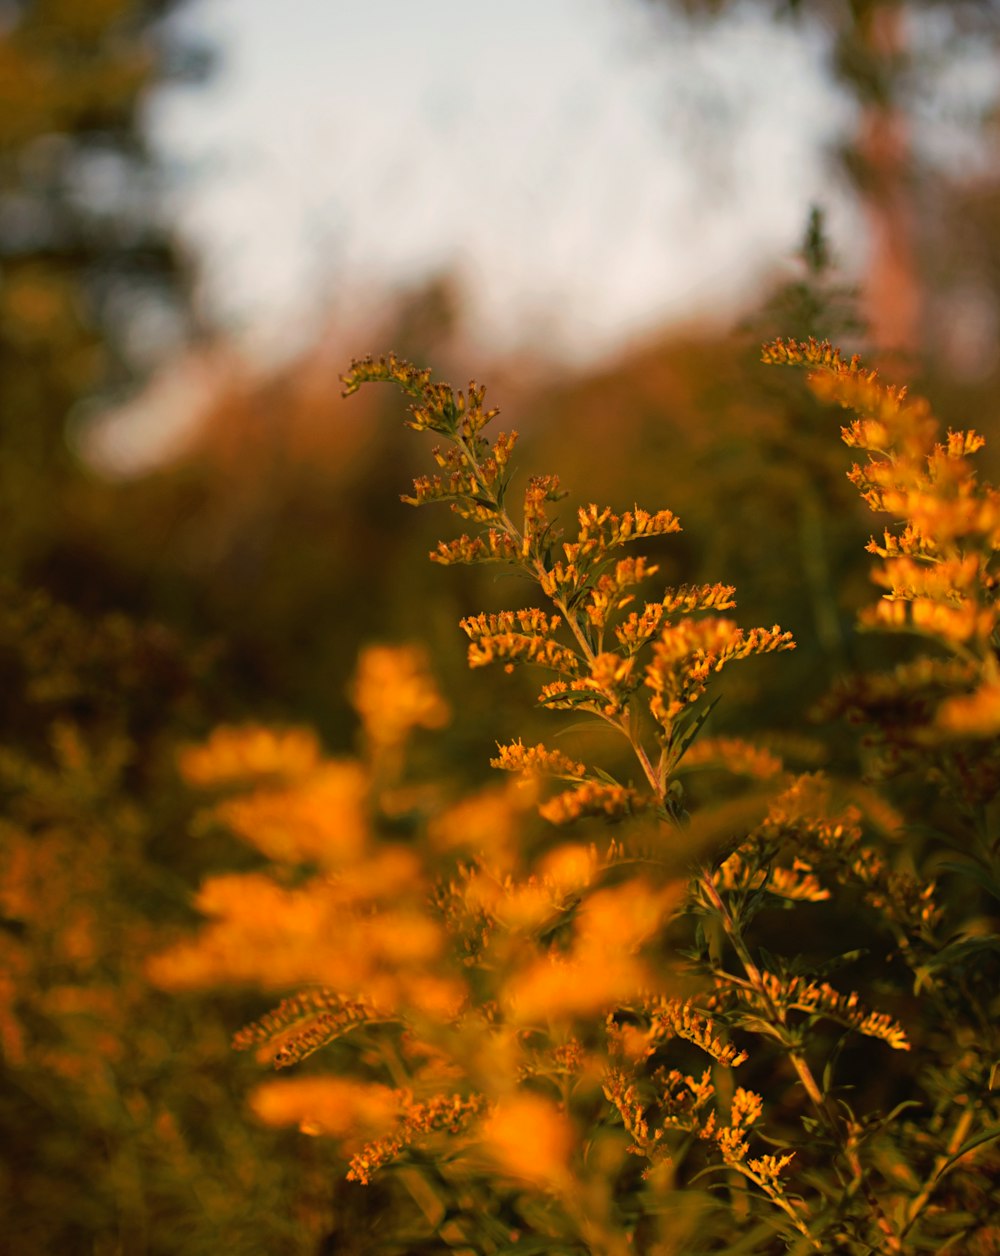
[(988, 1135), (802, 967), (771, 962), (570, 699), (974, 871), (679, 747), (716, 831), (960, 951), (605, 777)]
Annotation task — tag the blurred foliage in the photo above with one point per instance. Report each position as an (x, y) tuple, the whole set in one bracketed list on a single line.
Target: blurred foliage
[(92, 287), (117, 1107)]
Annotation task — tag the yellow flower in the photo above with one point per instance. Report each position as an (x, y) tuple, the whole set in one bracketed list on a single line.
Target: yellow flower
[(234, 754), (972, 715), (531, 1139), (320, 819), (334, 1106), (569, 867), (393, 692), (488, 823), (603, 967)]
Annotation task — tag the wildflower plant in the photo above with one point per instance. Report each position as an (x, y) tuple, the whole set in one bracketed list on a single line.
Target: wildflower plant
[(594, 636), (768, 1025)]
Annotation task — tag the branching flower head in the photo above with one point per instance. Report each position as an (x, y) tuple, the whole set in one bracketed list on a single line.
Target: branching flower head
[(594, 637)]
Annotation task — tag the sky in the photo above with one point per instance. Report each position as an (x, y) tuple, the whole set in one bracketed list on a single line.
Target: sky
[(586, 172)]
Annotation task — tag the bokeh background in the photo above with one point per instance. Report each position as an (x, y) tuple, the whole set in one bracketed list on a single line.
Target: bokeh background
[(600, 208)]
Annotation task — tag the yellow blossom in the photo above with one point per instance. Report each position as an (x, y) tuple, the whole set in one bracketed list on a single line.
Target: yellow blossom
[(593, 799), (971, 715), (569, 867), (622, 918), (239, 754), (555, 988), (530, 1139), (321, 819), (735, 755), (393, 693), (603, 967), (532, 760), (334, 1106), (487, 823)]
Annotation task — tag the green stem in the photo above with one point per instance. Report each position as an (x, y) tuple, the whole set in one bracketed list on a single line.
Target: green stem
[(780, 1202), (919, 1203)]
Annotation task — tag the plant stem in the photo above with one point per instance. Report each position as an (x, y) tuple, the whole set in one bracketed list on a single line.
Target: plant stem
[(919, 1202), (820, 1103), (536, 568)]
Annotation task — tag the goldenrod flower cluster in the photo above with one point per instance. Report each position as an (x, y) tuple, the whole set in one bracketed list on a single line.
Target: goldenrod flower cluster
[(511, 1017)]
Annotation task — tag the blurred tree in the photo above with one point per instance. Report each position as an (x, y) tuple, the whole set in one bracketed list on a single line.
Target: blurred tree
[(887, 55), (92, 286)]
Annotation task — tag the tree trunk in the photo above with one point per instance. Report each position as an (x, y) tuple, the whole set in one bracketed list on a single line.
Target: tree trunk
[(892, 288)]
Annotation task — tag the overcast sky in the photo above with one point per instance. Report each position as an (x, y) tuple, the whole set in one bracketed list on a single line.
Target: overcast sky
[(586, 174)]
